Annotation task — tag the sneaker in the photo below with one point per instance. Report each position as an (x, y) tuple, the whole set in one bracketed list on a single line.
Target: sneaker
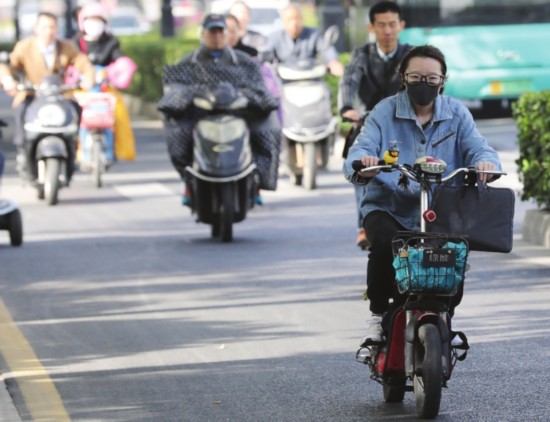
[(186, 198), (456, 340), (374, 331), (362, 240), (258, 198)]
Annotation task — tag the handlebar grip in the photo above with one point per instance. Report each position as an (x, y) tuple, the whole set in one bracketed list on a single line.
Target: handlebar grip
[(357, 165)]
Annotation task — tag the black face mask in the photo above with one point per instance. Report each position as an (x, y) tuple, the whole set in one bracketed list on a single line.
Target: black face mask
[(422, 93)]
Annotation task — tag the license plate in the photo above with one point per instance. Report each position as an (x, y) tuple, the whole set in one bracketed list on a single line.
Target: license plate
[(439, 258)]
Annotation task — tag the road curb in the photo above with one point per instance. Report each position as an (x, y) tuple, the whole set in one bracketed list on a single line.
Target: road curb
[(139, 108), (536, 227)]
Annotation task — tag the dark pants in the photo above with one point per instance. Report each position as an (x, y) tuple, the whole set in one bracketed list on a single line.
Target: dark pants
[(18, 132), (381, 228)]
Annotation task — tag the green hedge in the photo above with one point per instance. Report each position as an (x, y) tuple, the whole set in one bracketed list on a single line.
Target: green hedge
[(532, 116), (151, 54)]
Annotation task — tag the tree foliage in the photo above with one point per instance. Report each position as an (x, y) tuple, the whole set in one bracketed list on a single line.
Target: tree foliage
[(532, 117)]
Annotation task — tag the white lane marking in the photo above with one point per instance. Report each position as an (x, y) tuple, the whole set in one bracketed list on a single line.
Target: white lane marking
[(143, 190)]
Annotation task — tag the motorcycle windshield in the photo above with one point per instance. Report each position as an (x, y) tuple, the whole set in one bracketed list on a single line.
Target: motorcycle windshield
[(225, 130), (221, 146), (295, 73)]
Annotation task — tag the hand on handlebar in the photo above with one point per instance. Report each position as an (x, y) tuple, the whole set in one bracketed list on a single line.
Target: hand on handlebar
[(485, 166), (369, 162), (351, 116), (9, 85), (86, 84)]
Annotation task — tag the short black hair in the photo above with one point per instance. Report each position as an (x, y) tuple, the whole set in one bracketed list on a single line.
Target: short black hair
[(423, 51), (384, 7), (45, 14)]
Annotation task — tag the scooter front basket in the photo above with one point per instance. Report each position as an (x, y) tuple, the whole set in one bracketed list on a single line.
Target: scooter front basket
[(429, 263), (98, 110)]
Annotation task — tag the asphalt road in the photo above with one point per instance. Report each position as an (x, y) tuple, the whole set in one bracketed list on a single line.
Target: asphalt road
[(132, 312)]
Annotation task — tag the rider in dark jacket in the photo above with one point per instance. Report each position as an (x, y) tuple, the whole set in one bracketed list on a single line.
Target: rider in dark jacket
[(371, 76), (103, 49), (214, 62)]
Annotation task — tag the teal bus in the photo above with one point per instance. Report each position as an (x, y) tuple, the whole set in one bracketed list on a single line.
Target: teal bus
[(495, 49)]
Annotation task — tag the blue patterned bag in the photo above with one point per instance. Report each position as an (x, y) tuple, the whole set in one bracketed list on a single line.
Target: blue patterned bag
[(432, 270)]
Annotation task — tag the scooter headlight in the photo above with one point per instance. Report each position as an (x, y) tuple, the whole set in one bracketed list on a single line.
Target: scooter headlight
[(51, 115), (430, 165), (222, 131)]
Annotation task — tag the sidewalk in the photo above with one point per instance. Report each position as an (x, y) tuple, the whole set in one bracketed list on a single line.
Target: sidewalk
[(8, 412), (530, 252), (536, 227)]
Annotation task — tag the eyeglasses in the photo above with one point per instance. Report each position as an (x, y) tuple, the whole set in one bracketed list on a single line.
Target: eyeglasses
[(416, 78)]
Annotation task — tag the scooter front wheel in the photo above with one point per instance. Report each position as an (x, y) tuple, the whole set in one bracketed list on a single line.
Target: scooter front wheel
[(15, 227), (51, 182), (97, 163), (310, 165), (226, 212), (428, 377)]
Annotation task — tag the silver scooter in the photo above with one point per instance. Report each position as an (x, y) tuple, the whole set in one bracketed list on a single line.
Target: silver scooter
[(309, 126), (50, 133)]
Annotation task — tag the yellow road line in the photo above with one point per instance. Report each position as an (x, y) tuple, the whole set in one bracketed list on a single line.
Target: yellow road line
[(38, 391)]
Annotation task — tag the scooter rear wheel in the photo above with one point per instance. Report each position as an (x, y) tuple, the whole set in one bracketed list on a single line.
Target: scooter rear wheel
[(428, 378), (394, 392)]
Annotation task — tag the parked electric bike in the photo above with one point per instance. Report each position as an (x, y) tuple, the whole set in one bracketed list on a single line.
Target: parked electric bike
[(418, 353), (309, 127), (96, 129), (50, 131), (222, 179), (10, 216)]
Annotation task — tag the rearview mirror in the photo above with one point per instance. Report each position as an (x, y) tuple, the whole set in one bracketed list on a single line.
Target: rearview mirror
[(331, 36), (4, 57)]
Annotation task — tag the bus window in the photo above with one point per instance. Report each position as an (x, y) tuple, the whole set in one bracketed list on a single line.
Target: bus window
[(493, 47)]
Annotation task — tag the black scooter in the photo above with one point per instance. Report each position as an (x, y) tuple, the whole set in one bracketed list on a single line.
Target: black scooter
[(50, 133), (222, 178), (10, 216)]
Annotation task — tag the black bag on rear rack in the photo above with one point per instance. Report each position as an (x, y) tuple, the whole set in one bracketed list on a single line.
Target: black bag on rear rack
[(484, 215)]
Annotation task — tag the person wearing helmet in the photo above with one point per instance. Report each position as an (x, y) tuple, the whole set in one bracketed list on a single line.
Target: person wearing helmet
[(103, 50)]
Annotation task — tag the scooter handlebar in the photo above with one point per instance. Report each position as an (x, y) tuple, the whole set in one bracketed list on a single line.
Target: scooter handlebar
[(357, 165), (37, 87), (410, 173)]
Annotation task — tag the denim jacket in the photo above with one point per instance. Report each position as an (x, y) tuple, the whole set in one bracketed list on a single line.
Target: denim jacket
[(451, 135)]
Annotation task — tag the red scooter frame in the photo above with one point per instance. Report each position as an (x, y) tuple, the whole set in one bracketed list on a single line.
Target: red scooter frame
[(417, 353)]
